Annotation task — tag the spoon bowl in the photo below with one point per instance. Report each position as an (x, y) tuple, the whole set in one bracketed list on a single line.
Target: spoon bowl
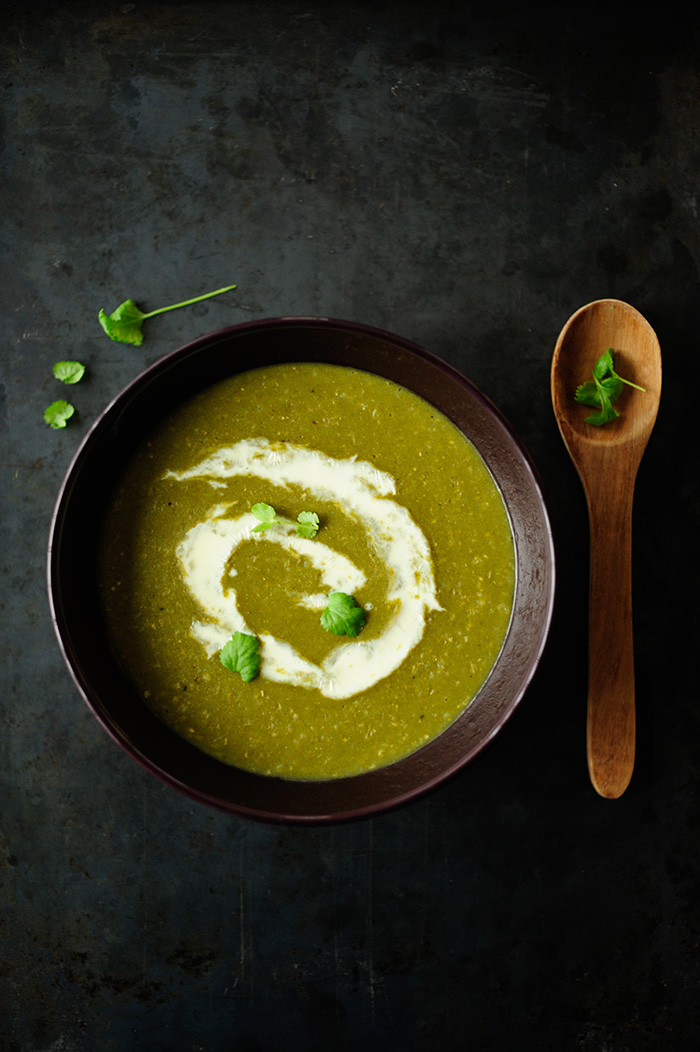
[(607, 459)]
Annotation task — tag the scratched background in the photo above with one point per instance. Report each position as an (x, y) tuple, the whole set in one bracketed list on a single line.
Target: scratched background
[(466, 175)]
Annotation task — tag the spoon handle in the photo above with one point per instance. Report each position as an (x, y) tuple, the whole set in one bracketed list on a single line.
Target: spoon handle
[(611, 705)]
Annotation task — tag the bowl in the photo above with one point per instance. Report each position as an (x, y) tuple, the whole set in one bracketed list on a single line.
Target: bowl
[(73, 586)]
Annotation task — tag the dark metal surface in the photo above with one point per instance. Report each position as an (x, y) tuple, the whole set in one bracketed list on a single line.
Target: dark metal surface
[(466, 176)]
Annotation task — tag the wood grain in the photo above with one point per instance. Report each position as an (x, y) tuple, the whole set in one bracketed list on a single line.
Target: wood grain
[(607, 459)]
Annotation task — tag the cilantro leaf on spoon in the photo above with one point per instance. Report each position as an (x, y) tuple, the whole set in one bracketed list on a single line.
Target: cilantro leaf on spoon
[(603, 390)]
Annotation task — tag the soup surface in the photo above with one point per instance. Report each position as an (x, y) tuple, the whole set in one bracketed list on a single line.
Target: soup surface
[(411, 525)]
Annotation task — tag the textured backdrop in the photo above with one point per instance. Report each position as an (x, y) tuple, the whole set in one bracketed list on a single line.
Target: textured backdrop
[(465, 175)]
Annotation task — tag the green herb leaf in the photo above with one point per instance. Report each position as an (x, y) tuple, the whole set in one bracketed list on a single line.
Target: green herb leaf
[(306, 524), (124, 323), (604, 365), (266, 514), (343, 616), (611, 386), (606, 413), (603, 390), (606, 397), (58, 414), (69, 372), (241, 655), (587, 393)]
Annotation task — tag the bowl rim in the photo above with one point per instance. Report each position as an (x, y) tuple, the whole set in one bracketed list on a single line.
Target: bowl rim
[(131, 391)]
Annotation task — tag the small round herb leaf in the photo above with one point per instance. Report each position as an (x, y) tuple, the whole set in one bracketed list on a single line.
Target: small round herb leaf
[(343, 616), (308, 524), (58, 414), (124, 323), (69, 372), (264, 512), (241, 655)]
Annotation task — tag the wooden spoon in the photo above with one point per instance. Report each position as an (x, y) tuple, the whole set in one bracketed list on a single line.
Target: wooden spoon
[(607, 459)]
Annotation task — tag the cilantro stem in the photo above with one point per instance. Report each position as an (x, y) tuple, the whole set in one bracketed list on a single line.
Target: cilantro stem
[(630, 384), (186, 303)]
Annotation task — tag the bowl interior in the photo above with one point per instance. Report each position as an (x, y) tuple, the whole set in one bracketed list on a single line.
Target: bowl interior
[(75, 600)]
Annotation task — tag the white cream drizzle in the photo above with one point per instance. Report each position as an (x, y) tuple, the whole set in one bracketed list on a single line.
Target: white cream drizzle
[(361, 490)]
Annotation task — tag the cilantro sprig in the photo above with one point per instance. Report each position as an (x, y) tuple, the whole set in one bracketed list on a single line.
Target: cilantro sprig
[(306, 525), (343, 616), (124, 323), (603, 390), (241, 654)]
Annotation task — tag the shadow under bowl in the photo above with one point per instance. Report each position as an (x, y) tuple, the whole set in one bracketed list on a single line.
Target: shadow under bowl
[(75, 601)]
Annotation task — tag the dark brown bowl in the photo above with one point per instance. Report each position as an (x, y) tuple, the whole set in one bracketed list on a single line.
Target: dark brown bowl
[(75, 604)]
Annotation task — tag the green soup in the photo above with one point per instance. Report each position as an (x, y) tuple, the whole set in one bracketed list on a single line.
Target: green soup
[(411, 524)]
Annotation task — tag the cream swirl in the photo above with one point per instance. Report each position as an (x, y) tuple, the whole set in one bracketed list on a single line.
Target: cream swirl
[(360, 490)]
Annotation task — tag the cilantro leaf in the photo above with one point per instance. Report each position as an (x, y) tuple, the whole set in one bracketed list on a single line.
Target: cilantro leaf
[(600, 394), (124, 323), (69, 372), (58, 414), (306, 524), (611, 385), (241, 655), (343, 616), (266, 514), (604, 365), (587, 394), (603, 390), (606, 397), (605, 414)]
